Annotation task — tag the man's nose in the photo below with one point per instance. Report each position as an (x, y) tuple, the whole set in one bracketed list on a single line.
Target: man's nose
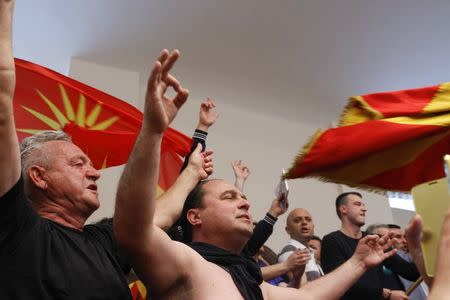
[(93, 174), (244, 204)]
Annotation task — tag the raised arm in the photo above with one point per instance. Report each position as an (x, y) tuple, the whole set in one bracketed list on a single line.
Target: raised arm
[(207, 117), (9, 150), (154, 257), (170, 204), (241, 173), (263, 229)]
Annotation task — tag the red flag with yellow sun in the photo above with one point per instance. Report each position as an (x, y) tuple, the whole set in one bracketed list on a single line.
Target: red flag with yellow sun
[(103, 126), (388, 141)]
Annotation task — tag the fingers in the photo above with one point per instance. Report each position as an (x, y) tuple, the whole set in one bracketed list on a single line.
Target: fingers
[(154, 77), (389, 253), (180, 98), (208, 165), (414, 233), (207, 152), (168, 63), (208, 103), (163, 56), (369, 238), (173, 82)]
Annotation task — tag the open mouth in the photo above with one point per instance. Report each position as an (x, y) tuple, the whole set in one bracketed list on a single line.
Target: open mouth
[(92, 187)]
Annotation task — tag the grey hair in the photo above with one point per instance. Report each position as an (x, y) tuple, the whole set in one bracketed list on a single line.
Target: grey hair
[(372, 228), (32, 143)]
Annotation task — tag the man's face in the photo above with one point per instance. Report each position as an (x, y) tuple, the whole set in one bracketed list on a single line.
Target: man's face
[(355, 210), (299, 225), (317, 246), (399, 234), (70, 176), (225, 210)]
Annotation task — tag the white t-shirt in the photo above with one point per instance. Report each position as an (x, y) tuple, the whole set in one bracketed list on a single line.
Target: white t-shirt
[(312, 269)]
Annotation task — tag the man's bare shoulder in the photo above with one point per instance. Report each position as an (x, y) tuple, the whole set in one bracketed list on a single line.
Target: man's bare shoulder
[(202, 280)]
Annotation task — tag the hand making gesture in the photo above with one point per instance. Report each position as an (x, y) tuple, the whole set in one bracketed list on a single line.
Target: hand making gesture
[(159, 110)]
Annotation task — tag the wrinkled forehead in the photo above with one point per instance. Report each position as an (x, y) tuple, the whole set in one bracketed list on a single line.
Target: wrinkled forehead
[(63, 150), (299, 213)]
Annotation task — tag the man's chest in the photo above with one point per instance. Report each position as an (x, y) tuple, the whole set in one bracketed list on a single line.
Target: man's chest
[(65, 268)]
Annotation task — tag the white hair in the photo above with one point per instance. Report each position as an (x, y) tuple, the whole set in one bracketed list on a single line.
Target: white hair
[(30, 145)]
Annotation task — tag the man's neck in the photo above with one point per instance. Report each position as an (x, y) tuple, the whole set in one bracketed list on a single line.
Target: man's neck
[(302, 241), (59, 215), (235, 247), (351, 230)]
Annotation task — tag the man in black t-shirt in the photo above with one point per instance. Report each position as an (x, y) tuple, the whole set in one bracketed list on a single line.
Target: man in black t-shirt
[(339, 246)]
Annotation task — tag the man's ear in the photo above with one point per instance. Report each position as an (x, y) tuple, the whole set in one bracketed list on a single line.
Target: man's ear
[(193, 216), (37, 177), (343, 209)]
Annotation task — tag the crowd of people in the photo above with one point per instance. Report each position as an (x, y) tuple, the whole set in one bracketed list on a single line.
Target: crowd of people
[(199, 241)]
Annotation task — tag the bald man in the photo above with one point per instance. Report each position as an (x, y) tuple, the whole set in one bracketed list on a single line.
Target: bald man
[(300, 227)]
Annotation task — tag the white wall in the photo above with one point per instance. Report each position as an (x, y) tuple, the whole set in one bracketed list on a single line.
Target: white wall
[(264, 142)]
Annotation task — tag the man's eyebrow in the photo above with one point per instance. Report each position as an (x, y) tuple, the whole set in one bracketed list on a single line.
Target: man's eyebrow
[(227, 192)]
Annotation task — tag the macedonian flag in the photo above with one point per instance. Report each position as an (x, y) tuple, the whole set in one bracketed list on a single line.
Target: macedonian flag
[(386, 141), (103, 126)]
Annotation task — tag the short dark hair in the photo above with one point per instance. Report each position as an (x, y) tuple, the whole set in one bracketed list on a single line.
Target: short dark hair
[(393, 226), (342, 199), (182, 230), (315, 237)]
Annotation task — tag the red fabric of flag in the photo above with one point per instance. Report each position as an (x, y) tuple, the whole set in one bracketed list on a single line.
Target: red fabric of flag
[(103, 126), (385, 141)]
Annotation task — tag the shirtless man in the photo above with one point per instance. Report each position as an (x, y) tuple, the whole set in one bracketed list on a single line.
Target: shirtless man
[(219, 220)]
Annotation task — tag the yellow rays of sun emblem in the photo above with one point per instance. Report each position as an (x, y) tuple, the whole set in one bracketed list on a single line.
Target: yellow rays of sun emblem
[(61, 119)]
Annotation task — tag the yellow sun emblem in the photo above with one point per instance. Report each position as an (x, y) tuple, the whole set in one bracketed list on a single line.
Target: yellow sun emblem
[(88, 121)]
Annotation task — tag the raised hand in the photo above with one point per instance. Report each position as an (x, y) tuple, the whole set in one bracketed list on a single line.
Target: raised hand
[(276, 209), (371, 250), (159, 110), (241, 171), (207, 115), (200, 163)]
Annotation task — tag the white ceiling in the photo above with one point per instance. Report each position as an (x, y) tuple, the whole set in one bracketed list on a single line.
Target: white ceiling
[(311, 55)]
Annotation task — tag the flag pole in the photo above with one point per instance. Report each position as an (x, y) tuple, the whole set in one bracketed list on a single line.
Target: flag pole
[(414, 286)]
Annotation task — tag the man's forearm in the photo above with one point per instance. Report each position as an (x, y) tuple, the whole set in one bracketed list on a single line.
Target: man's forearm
[(170, 204), (136, 194), (336, 283), (272, 271), (9, 152)]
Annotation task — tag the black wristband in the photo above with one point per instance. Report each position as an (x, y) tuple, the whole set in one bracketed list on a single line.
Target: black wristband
[(270, 219)]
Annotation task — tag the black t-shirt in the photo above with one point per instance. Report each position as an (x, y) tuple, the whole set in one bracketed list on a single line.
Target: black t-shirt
[(337, 248), (40, 259)]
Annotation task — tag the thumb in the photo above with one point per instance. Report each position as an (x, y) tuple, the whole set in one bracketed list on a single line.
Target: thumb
[(198, 148)]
